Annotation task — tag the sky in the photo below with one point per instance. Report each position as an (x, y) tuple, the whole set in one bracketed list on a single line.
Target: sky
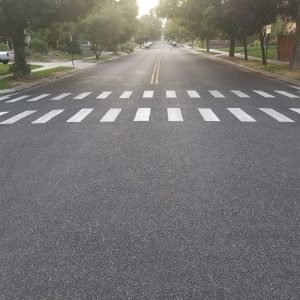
[(146, 5)]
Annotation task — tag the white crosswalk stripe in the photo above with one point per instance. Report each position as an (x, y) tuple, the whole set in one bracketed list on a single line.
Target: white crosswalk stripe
[(171, 94), (241, 115), (126, 95), (193, 94), (263, 94), (297, 110), (4, 98), (240, 94), (38, 98), (175, 115), (18, 117), (111, 115), (81, 115), (60, 97), (289, 95), (104, 95), (82, 96), (47, 117), (148, 94), (216, 94), (2, 113), (142, 115), (17, 99), (208, 115), (276, 115)]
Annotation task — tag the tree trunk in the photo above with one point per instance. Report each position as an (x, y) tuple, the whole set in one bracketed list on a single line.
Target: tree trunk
[(207, 44), (246, 49), (295, 60), (232, 48), (262, 46), (20, 66)]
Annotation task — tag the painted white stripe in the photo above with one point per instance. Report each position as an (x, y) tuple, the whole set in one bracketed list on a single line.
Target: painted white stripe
[(241, 115), (193, 94), (82, 96), (171, 94), (148, 94), (208, 115), (18, 117), (174, 115), (289, 95), (4, 98), (82, 114), (264, 94), (111, 115), (3, 113), (47, 117), (297, 110), (64, 95), (240, 94), (17, 99), (276, 115), (104, 95), (126, 95), (142, 115), (38, 98), (217, 94), (295, 87)]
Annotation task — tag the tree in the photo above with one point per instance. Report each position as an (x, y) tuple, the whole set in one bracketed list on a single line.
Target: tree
[(17, 15), (149, 29)]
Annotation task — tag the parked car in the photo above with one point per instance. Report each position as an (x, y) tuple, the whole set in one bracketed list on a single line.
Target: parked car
[(5, 57)]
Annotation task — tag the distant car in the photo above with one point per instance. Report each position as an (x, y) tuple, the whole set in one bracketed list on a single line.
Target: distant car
[(174, 44), (5, 57), (85, 45), (148, 45)]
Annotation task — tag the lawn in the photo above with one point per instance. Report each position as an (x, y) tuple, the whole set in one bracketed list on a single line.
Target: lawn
[(255, 51), (11, 82), (4, 69)]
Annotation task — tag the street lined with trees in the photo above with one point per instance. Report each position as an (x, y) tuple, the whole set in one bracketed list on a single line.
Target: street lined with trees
[(235, 20)]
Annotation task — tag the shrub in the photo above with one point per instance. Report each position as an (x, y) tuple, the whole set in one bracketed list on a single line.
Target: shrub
[(256, 43), (3, 47), (39, 46), (127, 48)]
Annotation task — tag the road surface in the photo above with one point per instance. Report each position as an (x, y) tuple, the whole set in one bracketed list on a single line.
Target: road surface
[(159, 175)]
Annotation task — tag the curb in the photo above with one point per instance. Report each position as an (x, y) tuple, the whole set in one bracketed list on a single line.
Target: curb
[(250, 70), (49, 80)]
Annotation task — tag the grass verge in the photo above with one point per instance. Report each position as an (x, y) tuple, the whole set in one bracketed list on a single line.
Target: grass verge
[(5, 69), (255, 51), (277, 69), (11, 82)]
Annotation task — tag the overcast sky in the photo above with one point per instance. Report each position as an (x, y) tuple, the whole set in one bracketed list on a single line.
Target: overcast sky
[(146, 5)]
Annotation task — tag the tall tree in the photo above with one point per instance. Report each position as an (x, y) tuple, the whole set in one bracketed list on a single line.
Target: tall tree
[(17, 15), (149, 29)]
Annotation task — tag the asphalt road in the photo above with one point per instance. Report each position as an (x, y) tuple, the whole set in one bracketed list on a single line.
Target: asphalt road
[(170, 196)]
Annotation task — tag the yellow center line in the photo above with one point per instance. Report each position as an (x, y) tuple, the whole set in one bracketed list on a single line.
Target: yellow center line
[(157, 70), (154, 71)]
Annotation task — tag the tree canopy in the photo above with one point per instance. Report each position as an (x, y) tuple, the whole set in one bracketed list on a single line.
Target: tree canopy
[(18, 15)]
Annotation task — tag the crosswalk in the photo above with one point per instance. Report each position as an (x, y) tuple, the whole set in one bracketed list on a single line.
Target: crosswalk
[(150, 94), (170, 114)]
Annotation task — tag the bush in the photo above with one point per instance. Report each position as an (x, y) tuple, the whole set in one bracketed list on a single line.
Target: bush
[(127, 48), (39, 46), (74, 47), (256, 43), (3, 47)]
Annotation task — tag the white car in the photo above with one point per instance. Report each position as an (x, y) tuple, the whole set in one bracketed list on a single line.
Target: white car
[(6, 57)]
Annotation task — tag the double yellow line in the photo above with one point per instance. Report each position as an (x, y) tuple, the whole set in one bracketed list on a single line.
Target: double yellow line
[(155, 73)]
